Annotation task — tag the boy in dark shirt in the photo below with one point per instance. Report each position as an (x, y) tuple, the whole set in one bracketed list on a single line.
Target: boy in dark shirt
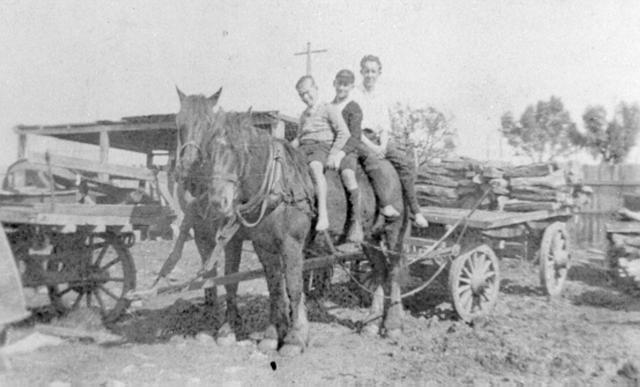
[(352, 114)]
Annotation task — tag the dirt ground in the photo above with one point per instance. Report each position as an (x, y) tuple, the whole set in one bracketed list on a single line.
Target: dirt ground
[(590, 336)]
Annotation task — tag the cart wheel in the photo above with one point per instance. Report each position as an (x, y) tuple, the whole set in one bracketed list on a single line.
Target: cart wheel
[(554, 258), (104, 271), (474, 282)]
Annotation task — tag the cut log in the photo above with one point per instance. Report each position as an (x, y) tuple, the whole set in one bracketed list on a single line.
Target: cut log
[(435, 179), (440, 170), (556, 179), (530, 170), (433, 190), (633, 241), (524, 205)]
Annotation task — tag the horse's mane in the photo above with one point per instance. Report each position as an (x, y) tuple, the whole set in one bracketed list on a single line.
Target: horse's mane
[(238, 129)]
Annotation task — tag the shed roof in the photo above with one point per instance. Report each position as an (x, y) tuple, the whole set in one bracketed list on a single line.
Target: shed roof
[(143, 133)]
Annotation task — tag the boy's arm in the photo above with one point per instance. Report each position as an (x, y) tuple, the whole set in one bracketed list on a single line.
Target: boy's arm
[(352, 114), (339, 127)]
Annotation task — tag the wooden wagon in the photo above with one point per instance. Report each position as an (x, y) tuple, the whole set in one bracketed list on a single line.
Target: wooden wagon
[(461, 241)]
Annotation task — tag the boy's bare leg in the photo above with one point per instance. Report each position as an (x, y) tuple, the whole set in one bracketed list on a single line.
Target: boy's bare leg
[(355, 233), (317, 172)]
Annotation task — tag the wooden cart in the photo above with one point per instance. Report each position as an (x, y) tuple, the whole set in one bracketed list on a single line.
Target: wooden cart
[(79, 252), (462, 244), (474, 272)]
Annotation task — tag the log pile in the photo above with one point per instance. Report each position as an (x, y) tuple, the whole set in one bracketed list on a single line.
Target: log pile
[(624, 250), (461, 183)]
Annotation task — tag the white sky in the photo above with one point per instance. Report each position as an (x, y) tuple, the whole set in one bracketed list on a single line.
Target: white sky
[(79, 61)]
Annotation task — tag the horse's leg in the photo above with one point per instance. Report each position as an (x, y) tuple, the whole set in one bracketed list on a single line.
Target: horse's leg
[(233, 254), (298, 335), (394, 234), (376, 310), (205, 247), (393, 320), (277, 298)]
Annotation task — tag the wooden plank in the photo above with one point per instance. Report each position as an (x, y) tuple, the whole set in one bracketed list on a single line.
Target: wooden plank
[(94, 167), (483, 219), (610, 183), (82, 214), (210, 279), (22, 146), (622, 227), (104, 154), (93, 128)]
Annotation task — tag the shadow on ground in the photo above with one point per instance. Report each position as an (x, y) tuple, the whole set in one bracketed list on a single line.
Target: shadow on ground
[(188, 318)]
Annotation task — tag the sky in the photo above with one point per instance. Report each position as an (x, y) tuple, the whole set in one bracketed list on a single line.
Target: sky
[(82, 61)]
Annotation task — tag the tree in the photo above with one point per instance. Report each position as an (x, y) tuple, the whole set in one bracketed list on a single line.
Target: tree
[(544, 132), (614, 139), (424, 129)]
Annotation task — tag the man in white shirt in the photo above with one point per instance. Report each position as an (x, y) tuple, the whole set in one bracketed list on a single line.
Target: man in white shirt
[(376, 130)]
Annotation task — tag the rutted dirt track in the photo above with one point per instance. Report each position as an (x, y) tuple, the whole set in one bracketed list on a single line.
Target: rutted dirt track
[(590, 336)]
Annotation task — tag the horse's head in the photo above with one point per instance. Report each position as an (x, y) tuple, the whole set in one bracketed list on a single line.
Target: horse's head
[(235, 161), (225, 169), (194, 123)]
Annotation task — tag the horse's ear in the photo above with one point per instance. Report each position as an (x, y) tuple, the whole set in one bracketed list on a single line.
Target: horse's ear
[(250, 109), (213, 100), (181, 95)]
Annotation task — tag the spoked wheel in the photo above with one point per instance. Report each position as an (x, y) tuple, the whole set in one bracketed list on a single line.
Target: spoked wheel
[(102, 270), (554, 258), (474, 282)]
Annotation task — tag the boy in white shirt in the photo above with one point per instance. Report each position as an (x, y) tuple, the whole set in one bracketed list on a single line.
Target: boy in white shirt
[(376, 129)]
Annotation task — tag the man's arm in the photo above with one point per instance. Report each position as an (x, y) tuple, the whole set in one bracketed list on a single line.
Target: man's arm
[(385, 131), (339, 127)]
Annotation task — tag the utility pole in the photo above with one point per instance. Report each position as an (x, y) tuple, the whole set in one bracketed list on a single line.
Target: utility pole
[(308, 53)]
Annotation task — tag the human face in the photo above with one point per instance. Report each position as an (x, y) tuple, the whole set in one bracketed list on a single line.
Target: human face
[(343, 89), (370, 72), (308, 93)]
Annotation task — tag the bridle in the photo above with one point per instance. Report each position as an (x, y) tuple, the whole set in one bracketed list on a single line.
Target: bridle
[(188, 144)]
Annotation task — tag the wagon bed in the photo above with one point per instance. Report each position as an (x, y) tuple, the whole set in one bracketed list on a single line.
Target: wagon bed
[(66, 216), (484, 219)]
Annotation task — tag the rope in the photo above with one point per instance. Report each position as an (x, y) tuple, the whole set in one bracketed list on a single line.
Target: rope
[(261, 198), (426, 253)]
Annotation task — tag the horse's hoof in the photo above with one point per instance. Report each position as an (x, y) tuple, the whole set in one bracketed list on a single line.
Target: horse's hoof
[(370, 330), (225, 330), (268, 345), (394, 334), (226, 340), (290, 350)]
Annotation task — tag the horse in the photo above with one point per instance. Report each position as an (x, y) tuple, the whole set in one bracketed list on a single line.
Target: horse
[(192, 122), (264, 185)]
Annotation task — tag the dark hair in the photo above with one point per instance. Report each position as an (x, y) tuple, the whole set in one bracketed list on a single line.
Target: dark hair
[(370, 58), (346, 75), (303, 79)]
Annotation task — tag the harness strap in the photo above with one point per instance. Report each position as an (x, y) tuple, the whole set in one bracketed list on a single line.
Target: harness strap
[(262, 197)]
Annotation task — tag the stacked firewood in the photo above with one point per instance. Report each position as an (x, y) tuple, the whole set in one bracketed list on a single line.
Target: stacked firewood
[(463, 182), (624, 247), (624, 257)]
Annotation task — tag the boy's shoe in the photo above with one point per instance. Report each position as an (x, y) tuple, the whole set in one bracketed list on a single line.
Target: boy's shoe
[(390, 212), (420, 221)]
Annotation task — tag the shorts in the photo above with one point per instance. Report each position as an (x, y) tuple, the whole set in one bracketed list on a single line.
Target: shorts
[(319, 151)]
